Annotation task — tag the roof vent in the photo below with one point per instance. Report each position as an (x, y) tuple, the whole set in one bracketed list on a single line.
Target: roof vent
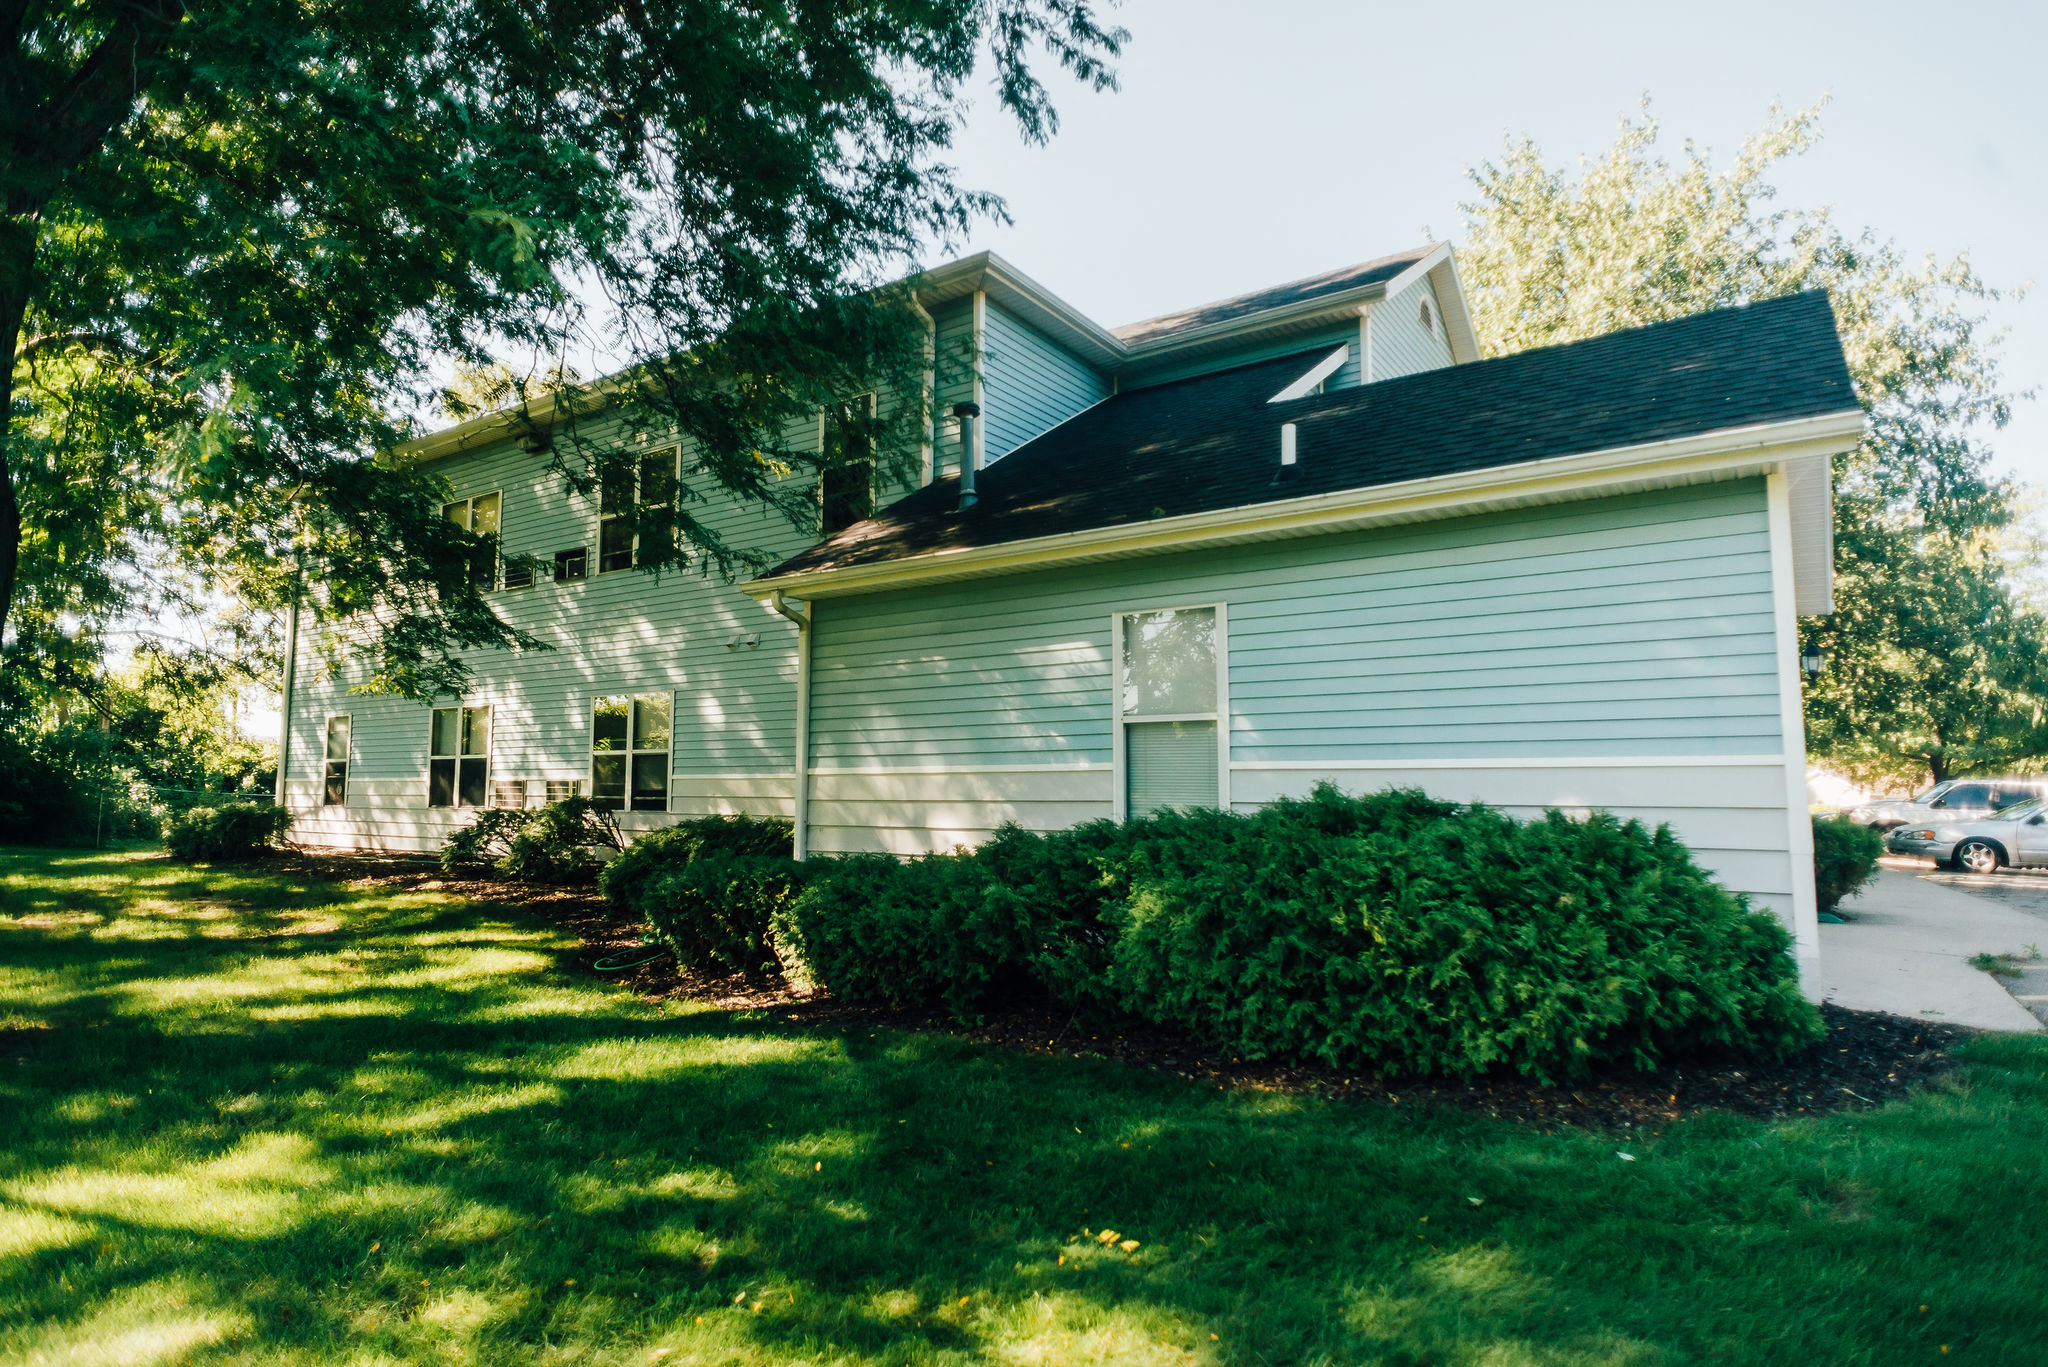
[(1287, 466), (1426, 324)]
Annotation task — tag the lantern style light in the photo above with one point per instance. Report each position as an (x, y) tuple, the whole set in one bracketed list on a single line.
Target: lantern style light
[(1811, 659)]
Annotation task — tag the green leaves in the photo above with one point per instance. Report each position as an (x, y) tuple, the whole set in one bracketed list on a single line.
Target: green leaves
[(246, 237), (1935, 650)]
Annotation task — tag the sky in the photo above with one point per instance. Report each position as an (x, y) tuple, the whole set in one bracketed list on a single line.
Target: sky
[(1253, 143)]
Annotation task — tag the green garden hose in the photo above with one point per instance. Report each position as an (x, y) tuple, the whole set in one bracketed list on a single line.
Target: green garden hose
[(650, 950)]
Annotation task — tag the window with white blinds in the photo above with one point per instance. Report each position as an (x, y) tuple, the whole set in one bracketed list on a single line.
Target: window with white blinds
[(1169, 707)]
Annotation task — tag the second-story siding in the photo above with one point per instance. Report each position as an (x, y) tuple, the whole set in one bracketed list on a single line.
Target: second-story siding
[(1030, 383)]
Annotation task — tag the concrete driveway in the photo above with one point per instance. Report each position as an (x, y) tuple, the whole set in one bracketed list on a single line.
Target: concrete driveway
[(1910, 935)]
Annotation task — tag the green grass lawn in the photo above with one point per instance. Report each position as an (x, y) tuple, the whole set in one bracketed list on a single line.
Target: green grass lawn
[(252, 1117)]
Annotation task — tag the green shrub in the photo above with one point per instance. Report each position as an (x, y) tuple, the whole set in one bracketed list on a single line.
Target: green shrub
[(874, 928), (1393, 931), (562, 842), (484, 841), (1447, 944), (716, 912), (672, 847), (1844, 858), (224, 831)]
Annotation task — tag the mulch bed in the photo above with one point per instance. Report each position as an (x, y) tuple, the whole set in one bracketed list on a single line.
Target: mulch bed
[(1865, 1060)]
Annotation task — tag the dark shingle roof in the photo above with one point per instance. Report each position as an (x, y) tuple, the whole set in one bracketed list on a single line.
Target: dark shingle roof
[(1279, 296), (1213, 442)]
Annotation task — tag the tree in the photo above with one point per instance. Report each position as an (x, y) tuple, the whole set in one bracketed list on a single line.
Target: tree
[(1935, 659), (237, 237)]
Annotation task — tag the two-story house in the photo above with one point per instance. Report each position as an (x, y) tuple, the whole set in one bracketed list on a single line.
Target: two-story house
[(1208, 558)]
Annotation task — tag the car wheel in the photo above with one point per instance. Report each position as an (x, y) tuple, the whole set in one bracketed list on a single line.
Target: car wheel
[(1977, 857)]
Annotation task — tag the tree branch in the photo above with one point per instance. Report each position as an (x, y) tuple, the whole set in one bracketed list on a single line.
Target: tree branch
[(91, 341)]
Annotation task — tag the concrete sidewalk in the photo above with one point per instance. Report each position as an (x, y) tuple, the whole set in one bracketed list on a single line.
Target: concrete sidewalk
[(1906, 950)]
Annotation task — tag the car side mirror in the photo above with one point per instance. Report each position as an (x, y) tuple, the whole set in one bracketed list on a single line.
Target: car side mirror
[(2036, 820), (1939, 802)]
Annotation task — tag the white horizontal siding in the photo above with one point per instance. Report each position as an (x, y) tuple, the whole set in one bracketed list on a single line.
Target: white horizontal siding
[(624, 632), (1610, 648)]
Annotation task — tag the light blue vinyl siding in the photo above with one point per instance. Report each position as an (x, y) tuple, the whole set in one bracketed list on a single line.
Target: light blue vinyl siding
[(1400, 344), (1627, 626), (1029, 383), (623, 632)]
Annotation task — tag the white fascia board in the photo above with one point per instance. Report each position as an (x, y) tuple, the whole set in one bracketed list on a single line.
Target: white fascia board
[(1730, 453), (985, 272), (1322, 370)]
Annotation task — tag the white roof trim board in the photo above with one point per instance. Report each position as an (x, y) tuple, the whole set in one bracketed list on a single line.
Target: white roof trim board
[(1801, 447)]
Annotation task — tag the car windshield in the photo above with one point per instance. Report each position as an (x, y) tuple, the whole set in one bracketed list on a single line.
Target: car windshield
[(1936, 791), (2020, 811)]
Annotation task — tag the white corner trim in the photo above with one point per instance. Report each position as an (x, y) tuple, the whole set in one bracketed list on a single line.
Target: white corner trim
[(1726, 453), (1322, 370), (1792, 720)]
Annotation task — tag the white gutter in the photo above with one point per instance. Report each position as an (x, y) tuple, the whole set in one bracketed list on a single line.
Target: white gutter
[(1727, 453), (801, 816)]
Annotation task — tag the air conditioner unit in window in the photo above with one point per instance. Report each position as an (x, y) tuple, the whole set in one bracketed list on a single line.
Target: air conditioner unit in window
[(510, 796)]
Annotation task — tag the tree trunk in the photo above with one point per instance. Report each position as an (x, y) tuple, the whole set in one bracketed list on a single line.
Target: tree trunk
[(13, 306)]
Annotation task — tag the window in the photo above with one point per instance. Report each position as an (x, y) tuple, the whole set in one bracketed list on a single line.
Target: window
[(572, 565), (459, 757), (629, 735), (480, 516), (634, 501), (334, 783), (1968, 795), (519, 571), (1169, 704), (846, 486)]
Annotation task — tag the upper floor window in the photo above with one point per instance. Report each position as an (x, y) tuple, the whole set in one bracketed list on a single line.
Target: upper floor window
[(479, 515), (334, 781), (459, 757), (636, 497), (846, 487), (629, 752)]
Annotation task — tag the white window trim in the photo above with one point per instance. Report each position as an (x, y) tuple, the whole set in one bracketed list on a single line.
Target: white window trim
[(348, 761), (490, 755), (590, 742), (1120, 776), (497, 577), (593, 564)]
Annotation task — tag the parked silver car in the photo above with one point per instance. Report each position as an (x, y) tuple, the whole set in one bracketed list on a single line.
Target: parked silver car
[(1951, 800), (2017, 835)]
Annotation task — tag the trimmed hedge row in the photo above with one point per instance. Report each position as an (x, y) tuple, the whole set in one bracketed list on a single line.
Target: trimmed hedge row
[(1392, 930)]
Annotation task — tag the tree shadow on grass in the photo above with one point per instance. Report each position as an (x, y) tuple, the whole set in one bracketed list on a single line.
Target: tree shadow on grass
[(416, 1133)]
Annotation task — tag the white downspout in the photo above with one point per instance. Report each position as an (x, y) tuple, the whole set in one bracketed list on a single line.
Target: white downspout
[(801, 819), (1365, 343)]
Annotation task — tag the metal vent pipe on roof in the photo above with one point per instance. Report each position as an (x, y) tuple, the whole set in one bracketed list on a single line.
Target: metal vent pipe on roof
[(967, 413), (1287, 449)]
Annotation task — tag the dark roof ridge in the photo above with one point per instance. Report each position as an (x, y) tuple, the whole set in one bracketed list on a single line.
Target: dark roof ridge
[(1260, 300)]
